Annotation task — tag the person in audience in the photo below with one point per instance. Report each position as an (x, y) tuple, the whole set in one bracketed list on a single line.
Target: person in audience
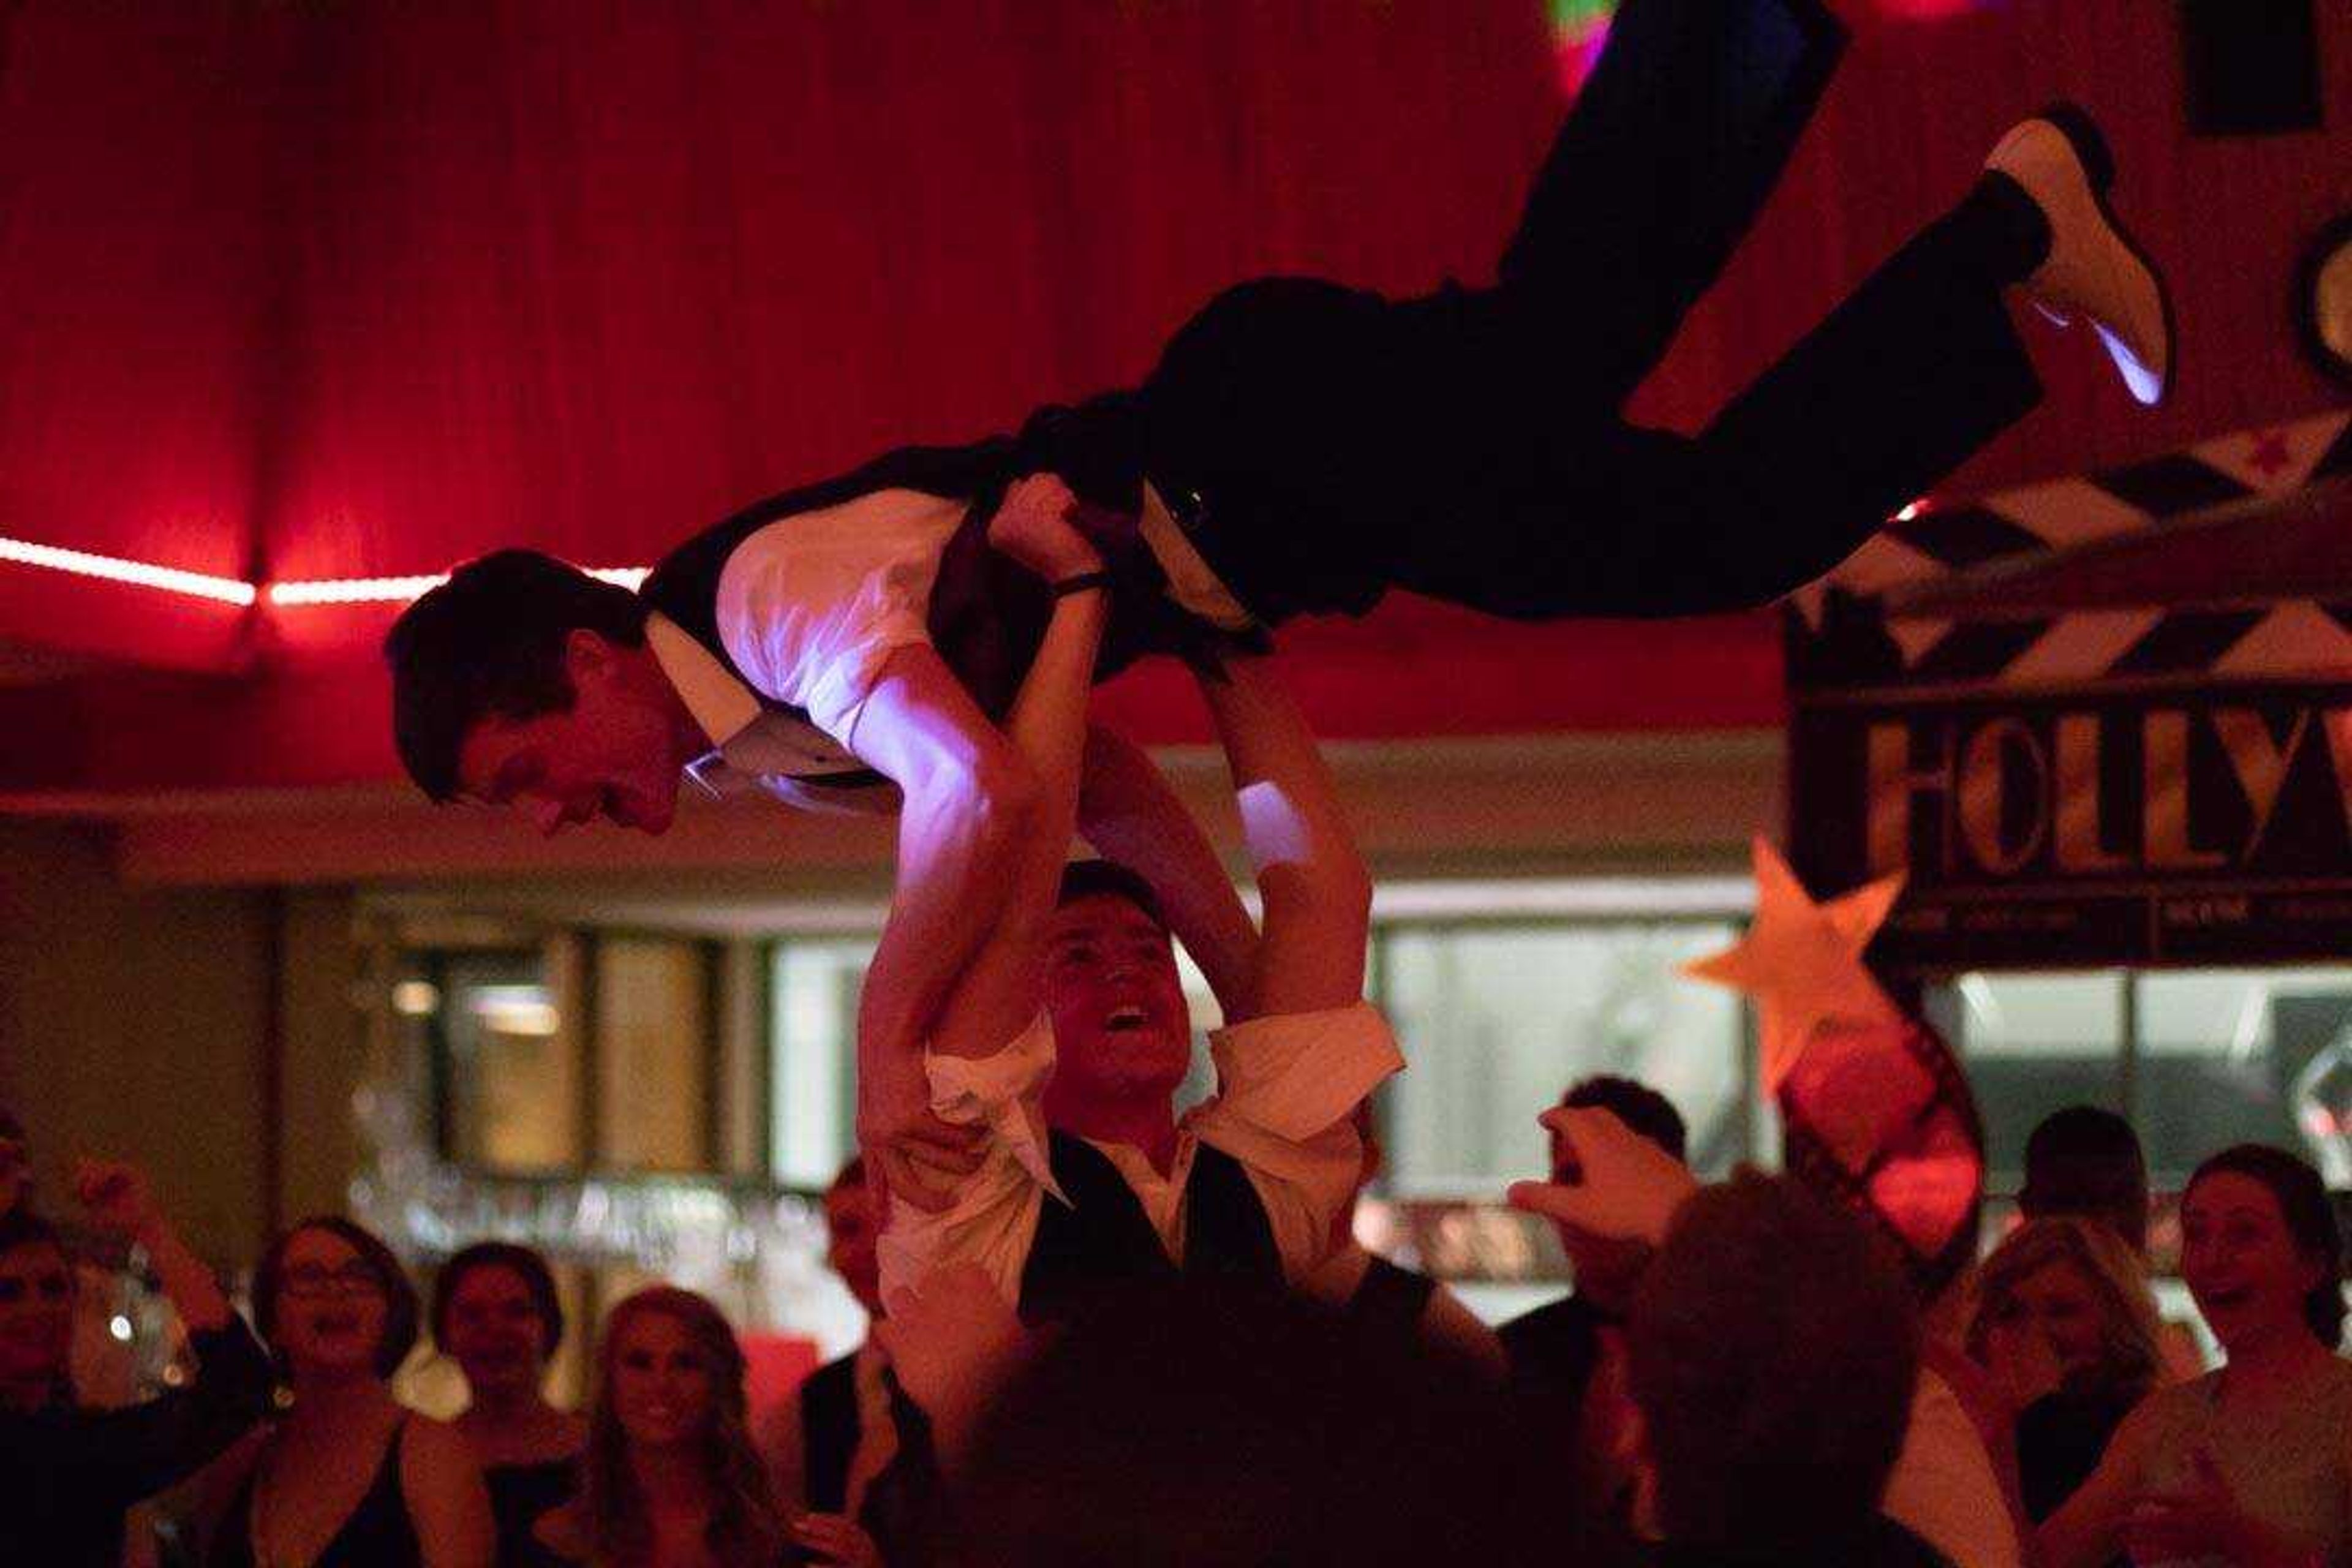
[(1554, 1349), (1770, 1349), (2250, 1466), (1771, 1353), (1566, 1357), (1206, 1423), (836, 1436), (2065, 1328), (68, 1474), (2084, 1163), (1383, 1298), (671, 1477), (1954, 1480), (1941, 1488), (347, 1476), (105, 1371), (1092, 1176), (495, 1312)]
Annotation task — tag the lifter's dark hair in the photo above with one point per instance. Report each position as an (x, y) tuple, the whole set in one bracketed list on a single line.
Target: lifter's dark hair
[(1109, 879), (490, 641)]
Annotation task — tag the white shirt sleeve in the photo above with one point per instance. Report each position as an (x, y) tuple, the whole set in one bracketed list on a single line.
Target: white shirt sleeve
[(1286, 1087), (1943, 1489), (993, 1219), (811, 607)]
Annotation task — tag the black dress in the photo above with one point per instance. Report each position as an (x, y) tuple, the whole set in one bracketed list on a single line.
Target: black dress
[(378, 1534), (2060, 1438), (519, 1495)]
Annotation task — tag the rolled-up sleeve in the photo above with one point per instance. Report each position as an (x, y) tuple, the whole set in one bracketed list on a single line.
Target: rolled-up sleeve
[(993, 1218), (1286, 1086)]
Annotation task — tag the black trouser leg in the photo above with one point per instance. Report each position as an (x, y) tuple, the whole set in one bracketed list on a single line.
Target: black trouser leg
[(1673, 146), (1913, 373)]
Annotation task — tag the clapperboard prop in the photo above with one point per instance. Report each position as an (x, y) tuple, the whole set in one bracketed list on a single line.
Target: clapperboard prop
[(2105, 720)]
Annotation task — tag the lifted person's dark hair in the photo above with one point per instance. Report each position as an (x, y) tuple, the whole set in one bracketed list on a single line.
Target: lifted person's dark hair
[(490, 642)]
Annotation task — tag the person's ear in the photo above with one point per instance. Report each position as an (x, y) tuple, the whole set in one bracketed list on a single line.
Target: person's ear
[(586, 654)]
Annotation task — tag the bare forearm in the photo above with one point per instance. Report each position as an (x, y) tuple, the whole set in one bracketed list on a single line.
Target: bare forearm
[(995, 998), (956, 869), (1317, 892), (1048, 723), (1129, 813)]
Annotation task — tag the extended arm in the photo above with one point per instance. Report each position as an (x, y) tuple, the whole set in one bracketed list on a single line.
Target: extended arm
[(969, 808), (1316, 893), (993, 994), (998, 995), (131, 1453)]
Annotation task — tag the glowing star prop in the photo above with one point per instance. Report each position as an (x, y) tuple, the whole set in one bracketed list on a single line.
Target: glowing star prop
[(1875, 1109), (1801, 962)]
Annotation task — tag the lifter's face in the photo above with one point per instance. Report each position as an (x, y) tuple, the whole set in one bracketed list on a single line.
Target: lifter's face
[(1120, 1026), (613, 754)]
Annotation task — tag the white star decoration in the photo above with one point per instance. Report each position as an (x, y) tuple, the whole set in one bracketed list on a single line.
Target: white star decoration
[(1801, 962)]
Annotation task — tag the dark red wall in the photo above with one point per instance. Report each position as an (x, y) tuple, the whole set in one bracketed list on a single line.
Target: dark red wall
[(357, 290)]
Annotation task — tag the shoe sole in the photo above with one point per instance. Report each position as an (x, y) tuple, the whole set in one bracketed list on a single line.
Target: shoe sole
[(2073, 122)]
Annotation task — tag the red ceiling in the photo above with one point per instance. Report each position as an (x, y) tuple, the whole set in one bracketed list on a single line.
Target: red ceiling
[(351, 290)]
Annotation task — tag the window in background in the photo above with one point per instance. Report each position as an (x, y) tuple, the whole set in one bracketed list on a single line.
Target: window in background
[(511, 1071), (2234, 1056), (2197, 1059), (813, 1053), (1496, 1019), (655, 1064), (2032, 1043)]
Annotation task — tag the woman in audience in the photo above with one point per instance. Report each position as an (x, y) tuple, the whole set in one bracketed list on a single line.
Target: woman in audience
[(496, 1313), (671, 1478), (2065, 1328), (68, 1475), (348, 1478), (2252, 1465)]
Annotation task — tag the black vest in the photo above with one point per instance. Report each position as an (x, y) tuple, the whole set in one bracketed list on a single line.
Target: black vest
[(987, 612), (829, 1428), (1389, 1302), (1102, 1236)]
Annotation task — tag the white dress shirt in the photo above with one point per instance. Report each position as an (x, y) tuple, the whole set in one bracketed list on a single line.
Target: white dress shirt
[(811, 608), (1287, 1086)]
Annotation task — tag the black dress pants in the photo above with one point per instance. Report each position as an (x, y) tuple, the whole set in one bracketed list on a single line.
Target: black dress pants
[(1330, 444)]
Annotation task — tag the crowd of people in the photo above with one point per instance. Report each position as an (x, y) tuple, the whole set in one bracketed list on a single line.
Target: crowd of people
[(1108, 1331), (1105, 1330), (1738, 1377)]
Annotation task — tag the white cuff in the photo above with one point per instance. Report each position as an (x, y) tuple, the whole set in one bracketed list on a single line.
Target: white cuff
[(1000, 1092), (1296, 1074)]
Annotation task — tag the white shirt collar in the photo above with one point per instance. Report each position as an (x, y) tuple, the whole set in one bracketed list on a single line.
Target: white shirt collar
[(723, 706)]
